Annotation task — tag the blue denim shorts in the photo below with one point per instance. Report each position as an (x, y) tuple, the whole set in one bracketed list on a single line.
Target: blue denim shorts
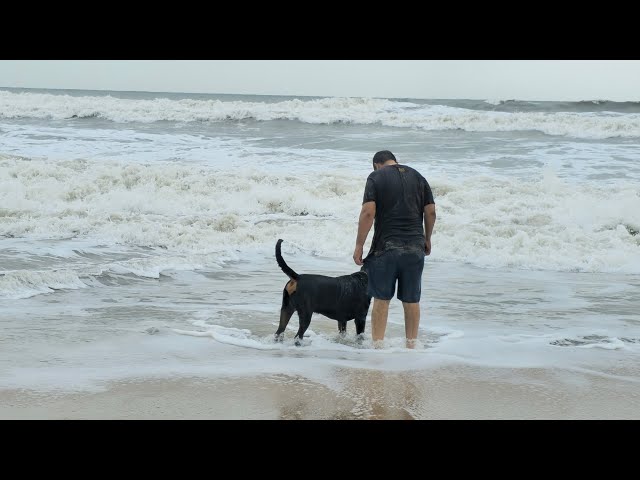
[(403, 265)]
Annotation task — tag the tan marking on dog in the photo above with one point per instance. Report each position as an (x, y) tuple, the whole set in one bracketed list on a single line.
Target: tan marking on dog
[(291, 286)]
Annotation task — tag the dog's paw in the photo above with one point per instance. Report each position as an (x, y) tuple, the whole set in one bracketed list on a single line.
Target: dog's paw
[(278, 337), (298, 342), (360, 338)]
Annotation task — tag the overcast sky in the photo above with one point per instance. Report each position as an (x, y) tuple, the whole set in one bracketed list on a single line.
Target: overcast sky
[(617, 80)]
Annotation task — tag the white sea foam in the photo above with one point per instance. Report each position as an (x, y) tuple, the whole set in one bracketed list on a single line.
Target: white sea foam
[(196, 214)]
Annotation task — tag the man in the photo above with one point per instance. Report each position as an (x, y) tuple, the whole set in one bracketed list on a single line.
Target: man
[(399, 199)]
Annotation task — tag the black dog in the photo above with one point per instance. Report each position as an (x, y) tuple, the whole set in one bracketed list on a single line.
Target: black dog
[(339, 298)]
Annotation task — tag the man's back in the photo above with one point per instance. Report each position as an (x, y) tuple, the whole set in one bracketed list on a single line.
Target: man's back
[(400, 193)]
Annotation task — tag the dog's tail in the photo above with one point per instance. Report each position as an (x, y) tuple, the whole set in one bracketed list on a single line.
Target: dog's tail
[(283, 265)]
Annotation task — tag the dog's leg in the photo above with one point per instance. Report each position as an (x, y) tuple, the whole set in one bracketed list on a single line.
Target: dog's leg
[(286, 311), (360, 322), (304, 315), (342, 327)]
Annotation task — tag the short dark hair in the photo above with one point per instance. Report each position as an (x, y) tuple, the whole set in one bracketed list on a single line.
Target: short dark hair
[(383, 156)]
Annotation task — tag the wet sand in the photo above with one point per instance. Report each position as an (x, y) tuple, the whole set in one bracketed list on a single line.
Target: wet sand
[(452, 392)]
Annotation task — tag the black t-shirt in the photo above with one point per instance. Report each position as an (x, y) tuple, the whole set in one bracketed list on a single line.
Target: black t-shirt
[(400, 193)]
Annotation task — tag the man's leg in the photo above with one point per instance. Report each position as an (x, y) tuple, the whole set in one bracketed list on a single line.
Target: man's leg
[(411, 322), (409, 292), (381, 271), (379, 316)]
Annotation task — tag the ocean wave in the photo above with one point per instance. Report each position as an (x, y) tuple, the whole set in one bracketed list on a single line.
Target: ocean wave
[(25, 283), (368, 111), (28, 283)]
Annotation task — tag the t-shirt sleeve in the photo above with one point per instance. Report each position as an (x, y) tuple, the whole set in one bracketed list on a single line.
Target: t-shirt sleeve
[(428, 194), (369, 191)]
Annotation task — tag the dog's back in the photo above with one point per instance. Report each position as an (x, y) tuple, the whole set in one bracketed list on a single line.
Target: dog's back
[(339, 298)]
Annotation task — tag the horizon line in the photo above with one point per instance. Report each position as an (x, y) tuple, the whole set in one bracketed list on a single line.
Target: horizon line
[(320, 96)]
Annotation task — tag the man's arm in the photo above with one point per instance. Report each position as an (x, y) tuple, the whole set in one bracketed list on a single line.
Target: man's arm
[(429, 222), (365, 222)]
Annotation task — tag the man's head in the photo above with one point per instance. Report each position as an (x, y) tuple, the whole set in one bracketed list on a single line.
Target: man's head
[(380, 158)]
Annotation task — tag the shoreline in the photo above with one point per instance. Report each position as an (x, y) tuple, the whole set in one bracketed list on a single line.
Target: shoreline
[(451, 392)]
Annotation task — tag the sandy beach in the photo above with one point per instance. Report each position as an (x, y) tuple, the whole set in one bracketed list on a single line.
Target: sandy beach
[(453, 392)]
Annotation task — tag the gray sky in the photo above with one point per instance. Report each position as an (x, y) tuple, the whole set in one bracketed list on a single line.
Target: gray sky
[(572, 80)]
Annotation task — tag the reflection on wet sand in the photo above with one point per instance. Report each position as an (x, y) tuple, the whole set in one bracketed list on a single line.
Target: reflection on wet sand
[(380, 395), (363, 395)]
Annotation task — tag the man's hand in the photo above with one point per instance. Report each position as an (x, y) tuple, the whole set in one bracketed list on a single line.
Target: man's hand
[(367, 215), (427, 246), (357, 255)]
